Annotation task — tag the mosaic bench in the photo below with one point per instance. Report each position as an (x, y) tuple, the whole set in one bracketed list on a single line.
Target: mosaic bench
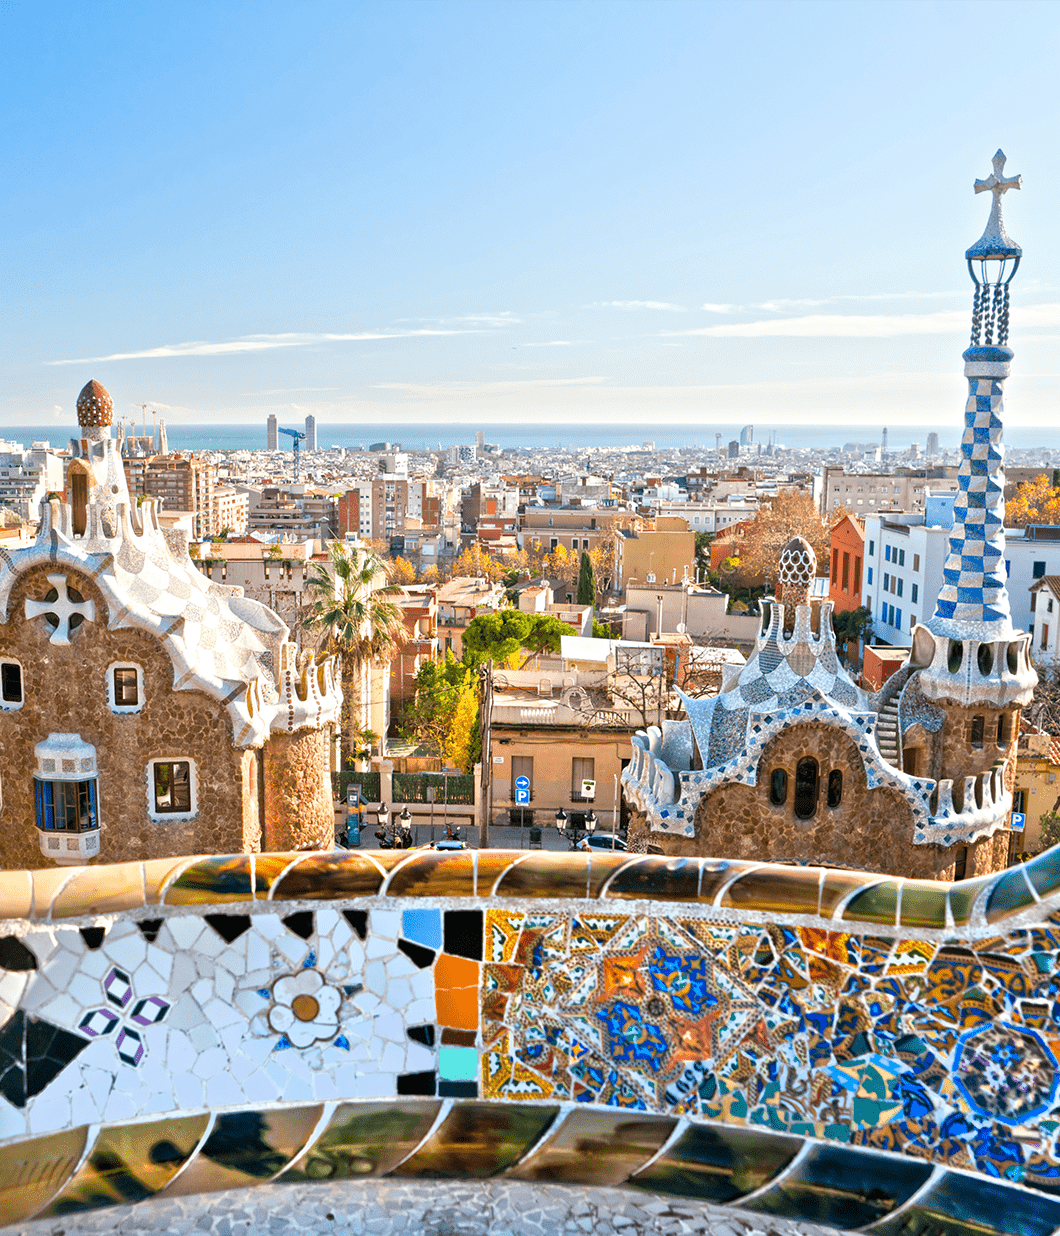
[(848, 1049)]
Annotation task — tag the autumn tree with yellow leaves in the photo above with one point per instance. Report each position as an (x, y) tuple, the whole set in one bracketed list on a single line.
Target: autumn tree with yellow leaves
[(1036, 502)]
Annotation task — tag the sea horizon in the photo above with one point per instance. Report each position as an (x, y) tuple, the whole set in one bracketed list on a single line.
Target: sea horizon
[(529, 436)]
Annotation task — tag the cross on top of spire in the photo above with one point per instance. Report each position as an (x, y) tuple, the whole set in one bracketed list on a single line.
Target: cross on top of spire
[(996, 182), (995, 241)]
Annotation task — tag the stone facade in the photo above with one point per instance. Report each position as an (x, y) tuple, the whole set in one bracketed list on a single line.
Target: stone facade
[(298, 805), (141, 704)]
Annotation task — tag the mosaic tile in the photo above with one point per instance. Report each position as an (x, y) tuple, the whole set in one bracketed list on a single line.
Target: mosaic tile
[(718, 1164), (789, 890), (364, 1139), (596, 1148), (477, 1140), (831, 1186), (212, 880), (326, 876), (101, 890), (130, 1163), (247, 1148), (16, 894), (434, 873), (32, 1172)]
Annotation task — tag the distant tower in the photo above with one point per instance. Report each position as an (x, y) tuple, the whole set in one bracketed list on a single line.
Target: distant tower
[(747, 435), (271, 423), (883, 443), (480, 439), (310, 433), (163, 440), (717, 442), (932, 444), (734, 449)]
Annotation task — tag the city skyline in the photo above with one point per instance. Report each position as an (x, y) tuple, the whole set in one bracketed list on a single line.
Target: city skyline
[(443, 213)]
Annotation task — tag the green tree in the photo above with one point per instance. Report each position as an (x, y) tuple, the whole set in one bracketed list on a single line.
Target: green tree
[(850, 626), (1050, 830), (443, 714), (586, 582), (352, 618), (499, 636)]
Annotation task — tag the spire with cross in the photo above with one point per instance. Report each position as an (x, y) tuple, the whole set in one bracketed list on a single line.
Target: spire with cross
[(973, 601), (995, 241)]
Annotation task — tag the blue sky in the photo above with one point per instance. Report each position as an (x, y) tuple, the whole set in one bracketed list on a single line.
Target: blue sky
[(494, 211)]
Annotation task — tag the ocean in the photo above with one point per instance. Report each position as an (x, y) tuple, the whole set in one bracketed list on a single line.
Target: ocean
[(573, 437)]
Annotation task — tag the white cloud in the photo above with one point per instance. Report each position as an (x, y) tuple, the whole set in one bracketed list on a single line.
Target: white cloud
[(641, 304), (867, 326), (718, 308), (255, 343), (552, 343)]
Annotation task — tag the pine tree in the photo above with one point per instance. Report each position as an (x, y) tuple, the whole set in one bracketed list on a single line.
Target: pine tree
[(586, 582)]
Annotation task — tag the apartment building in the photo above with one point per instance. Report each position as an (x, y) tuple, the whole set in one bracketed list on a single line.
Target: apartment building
[(873, 491), (27, 476), (665, 553), (904, 557), (711, 517), (233, 509), (848, 559), (179, 483), (574, 527)]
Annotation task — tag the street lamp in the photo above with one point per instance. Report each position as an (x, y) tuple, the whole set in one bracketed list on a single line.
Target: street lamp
[(406, 825), (562, 820), (590, 823)]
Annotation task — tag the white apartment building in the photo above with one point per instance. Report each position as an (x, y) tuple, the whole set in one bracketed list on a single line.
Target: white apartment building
[(866, 492), (233, 509), (710, 516), (905, 553), (902, 575), (26, 476)]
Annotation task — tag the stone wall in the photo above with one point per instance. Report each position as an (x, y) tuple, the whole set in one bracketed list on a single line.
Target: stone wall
[(65, 691), (298, 803), (871, 828)]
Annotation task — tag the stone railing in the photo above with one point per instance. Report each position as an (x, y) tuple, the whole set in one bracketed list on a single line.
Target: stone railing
[(828, 1045)]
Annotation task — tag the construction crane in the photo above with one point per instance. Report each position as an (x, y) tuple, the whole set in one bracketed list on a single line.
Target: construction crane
[(299, 438)]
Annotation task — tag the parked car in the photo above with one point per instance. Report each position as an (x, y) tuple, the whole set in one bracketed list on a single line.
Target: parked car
[(603, 841)]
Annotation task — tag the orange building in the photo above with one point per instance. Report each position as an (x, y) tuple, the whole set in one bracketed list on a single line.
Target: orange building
[(848, 554)]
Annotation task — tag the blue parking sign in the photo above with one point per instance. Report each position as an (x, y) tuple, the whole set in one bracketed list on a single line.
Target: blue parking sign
[(1017, 821), (521, 797)]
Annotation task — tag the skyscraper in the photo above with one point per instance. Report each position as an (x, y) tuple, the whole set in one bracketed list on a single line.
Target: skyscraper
[(310, 433), (932, 444), (747, 435), (271, 426)]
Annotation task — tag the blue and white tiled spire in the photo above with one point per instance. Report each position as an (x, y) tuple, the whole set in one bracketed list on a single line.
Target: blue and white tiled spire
[(973, 602)]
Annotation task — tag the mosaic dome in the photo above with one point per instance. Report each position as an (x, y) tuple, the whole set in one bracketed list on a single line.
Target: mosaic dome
[(94, 406)]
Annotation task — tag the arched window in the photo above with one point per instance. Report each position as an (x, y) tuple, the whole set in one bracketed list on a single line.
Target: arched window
[(978, 728), (835, 787), (806, 788), (778, 787)]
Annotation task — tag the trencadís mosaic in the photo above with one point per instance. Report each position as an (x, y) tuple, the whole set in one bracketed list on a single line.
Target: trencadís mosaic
[(758, 1034)]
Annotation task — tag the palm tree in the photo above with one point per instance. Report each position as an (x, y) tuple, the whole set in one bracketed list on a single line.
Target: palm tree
[(354, 621)]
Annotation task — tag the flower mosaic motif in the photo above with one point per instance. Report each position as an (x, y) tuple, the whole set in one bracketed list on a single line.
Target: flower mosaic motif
[(1006, 1072), (130, 1022), (304, 1009)]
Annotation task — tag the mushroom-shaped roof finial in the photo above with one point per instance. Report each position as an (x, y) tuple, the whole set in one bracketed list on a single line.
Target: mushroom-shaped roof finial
[(94, 406)]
